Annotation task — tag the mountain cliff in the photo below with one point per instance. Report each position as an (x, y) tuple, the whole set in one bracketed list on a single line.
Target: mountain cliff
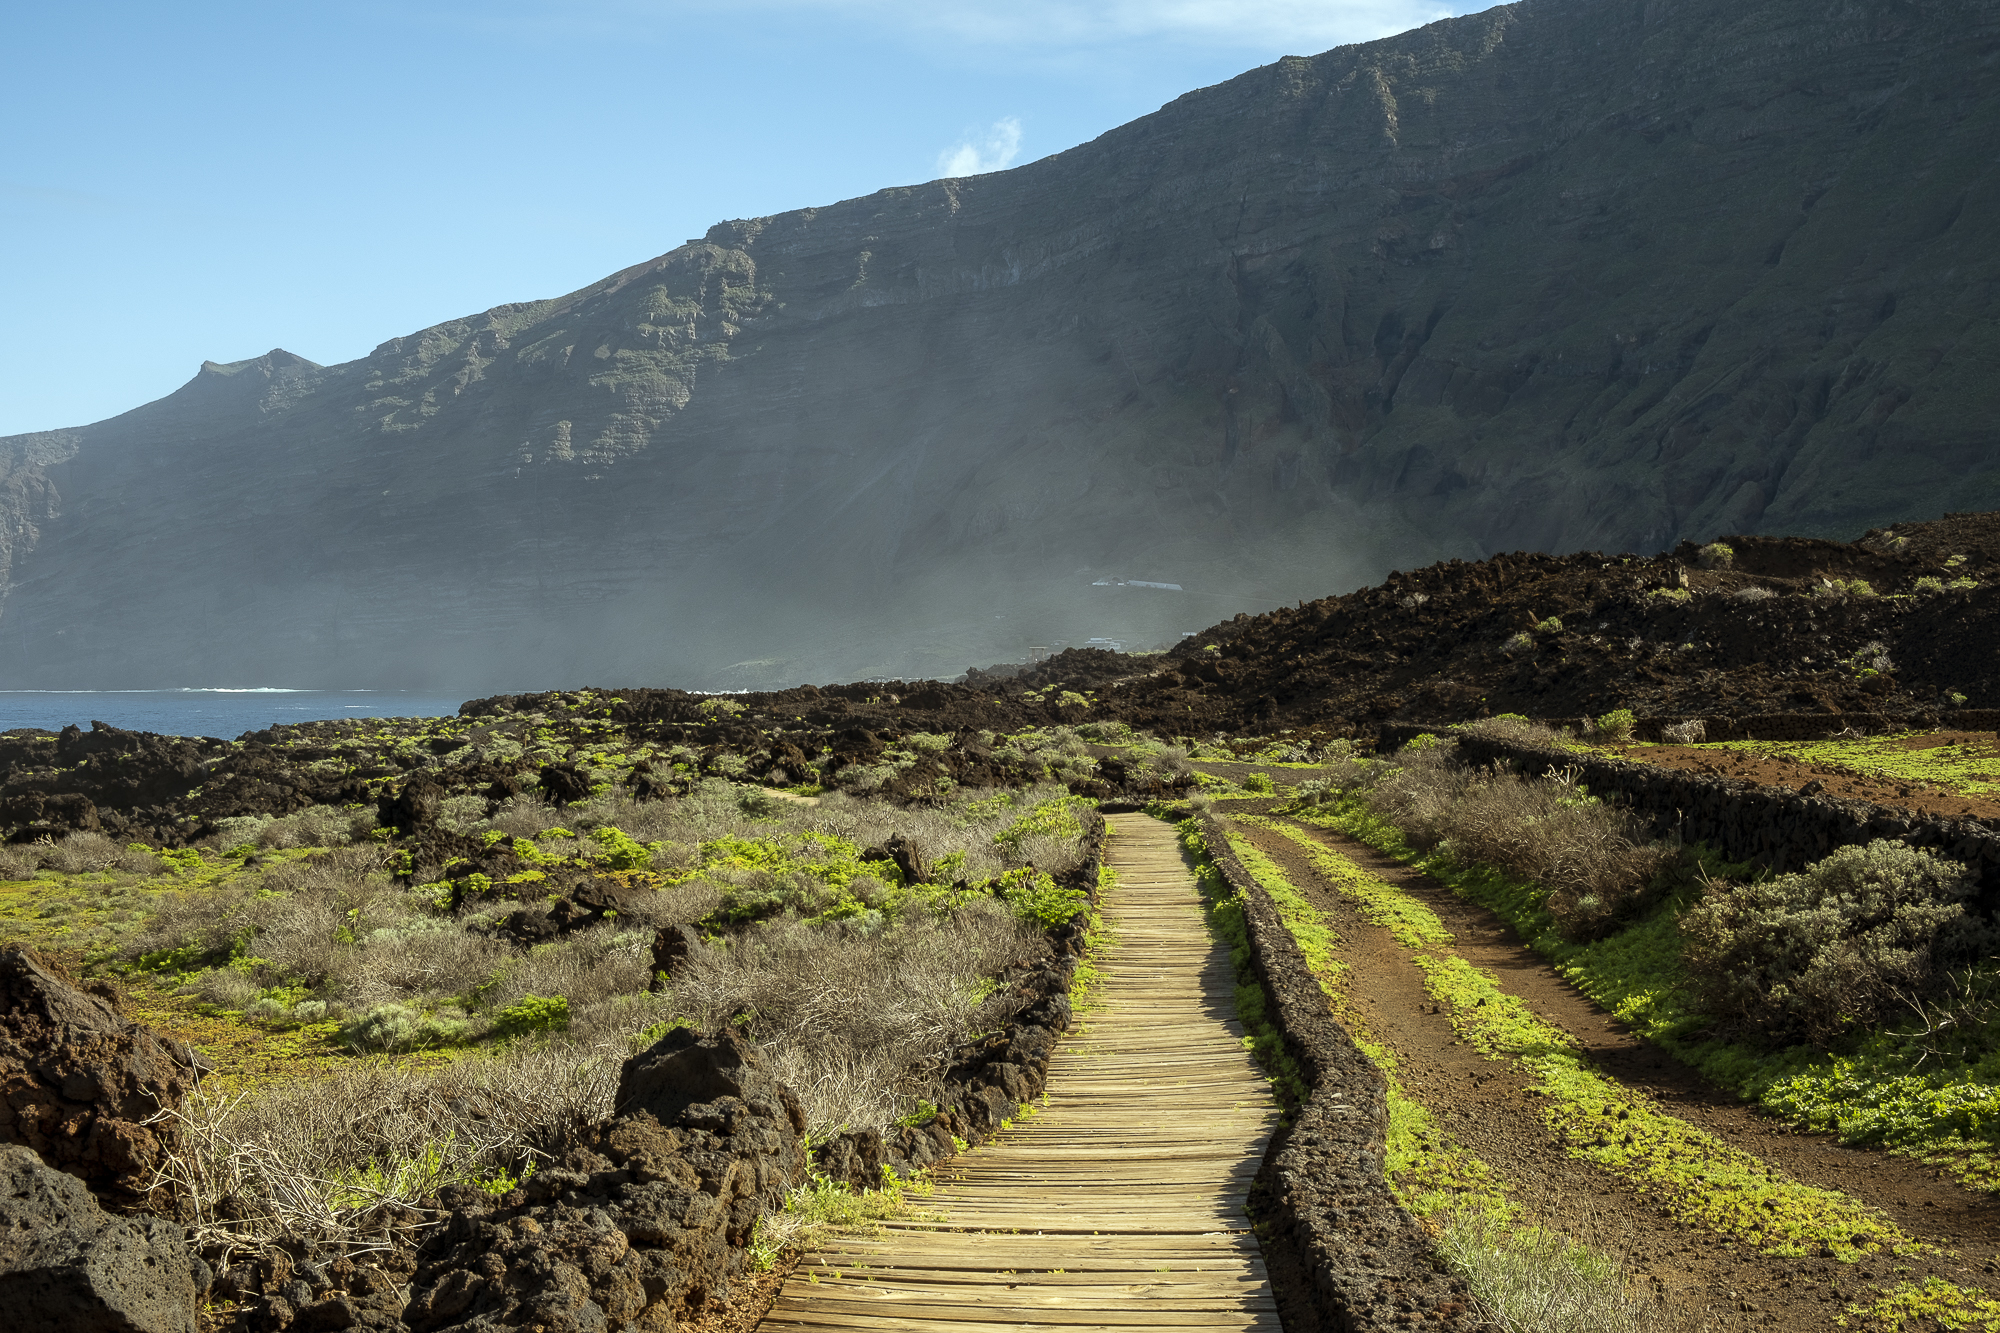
[(1563, 274)]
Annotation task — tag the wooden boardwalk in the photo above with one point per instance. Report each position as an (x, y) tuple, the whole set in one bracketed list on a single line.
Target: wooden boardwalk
[(1120, 1206)]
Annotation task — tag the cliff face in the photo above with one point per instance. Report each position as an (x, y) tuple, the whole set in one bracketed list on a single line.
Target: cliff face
[(1568, 273)]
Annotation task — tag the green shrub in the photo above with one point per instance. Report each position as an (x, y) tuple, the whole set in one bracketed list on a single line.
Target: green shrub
[(398, 1027), (1672, 594), (620, 851), (1833, 949), (1838, 589), (1258, 782), (1616, 725), (1715, 555), (1550, 626), (1037, 899), (1519, 643), (1929, 583), (533, 1013)]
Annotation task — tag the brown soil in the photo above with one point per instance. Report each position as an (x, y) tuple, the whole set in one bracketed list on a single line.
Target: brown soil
[(1844, 783), (1485, 1106)]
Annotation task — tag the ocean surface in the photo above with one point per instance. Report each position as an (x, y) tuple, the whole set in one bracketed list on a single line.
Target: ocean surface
[(224, 713)]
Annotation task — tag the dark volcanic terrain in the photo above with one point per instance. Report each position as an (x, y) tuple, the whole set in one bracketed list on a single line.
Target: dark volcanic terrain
[(1870, 634)]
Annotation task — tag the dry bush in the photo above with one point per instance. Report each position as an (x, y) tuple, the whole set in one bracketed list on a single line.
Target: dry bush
[(353, 876), (206, 921), (413, 960), (860, 1025), (19, 862), (348, 1158), (83, 853), (317, 826), (1597, 862), (525, 816), (1837, 947), (588, 967), (1536, 1280), (1519, 730)]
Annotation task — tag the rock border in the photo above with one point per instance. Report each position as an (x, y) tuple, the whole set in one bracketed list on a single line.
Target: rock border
[(1370, 1262)]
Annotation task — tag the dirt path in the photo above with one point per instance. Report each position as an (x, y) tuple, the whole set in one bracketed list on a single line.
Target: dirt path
[(1122, 1203), (1852, 782), (1487, 1106)]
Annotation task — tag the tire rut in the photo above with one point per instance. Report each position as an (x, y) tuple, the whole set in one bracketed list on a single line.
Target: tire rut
[(1487, 1107)]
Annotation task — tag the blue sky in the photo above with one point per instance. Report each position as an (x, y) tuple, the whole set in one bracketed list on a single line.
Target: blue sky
[(210, 180)]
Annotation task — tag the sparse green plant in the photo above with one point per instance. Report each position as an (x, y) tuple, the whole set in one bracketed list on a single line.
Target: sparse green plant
[(1037, 899), (1552, 625), (1840, 589), (1716, 555), (1518, 643), (1532, 1279), (1616, 726), (1672, 594), (717, 708), (1929, 583), (621, 852), (1259, 783), (533, 1013)]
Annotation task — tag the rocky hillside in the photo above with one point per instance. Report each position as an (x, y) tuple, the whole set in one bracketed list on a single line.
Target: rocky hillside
[(1904, 624), (1567, 273)]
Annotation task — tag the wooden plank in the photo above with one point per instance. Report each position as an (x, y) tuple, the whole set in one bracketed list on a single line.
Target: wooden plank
[(1120, 1204)]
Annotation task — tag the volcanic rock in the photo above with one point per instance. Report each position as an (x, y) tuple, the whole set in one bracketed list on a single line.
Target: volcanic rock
[(78, 1081), (67, 1264)]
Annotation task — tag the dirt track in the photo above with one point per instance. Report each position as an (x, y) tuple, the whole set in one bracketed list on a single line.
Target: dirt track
[(1486, 1106)]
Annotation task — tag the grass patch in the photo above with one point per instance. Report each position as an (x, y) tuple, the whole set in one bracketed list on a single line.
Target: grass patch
[(821, 1209)]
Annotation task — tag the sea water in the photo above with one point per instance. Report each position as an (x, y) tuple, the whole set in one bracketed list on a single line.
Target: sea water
[(224, 713)]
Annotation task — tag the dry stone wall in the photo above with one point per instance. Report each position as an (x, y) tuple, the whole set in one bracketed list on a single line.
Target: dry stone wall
[(1774, 827)]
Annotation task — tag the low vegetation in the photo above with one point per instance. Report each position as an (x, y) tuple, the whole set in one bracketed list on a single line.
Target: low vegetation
[(1525, 1275), (1959, 763), (1707, 962), (385, 1018)]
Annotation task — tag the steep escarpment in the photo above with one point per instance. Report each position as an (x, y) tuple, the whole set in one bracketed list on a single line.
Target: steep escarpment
[(1559, 275)]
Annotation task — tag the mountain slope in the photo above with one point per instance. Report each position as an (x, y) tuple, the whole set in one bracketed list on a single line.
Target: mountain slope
[(1568, 273)]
